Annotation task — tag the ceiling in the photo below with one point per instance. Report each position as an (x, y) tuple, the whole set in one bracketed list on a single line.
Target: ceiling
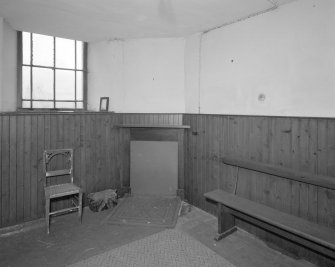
[(95, 20)]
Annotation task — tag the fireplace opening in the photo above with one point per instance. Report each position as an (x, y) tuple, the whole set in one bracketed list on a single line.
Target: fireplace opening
[(154, 168)]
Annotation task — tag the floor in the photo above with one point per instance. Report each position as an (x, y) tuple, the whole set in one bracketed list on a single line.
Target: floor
[(70, 242)]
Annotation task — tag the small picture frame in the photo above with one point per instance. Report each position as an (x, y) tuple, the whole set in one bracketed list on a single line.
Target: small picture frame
[(104, 104)]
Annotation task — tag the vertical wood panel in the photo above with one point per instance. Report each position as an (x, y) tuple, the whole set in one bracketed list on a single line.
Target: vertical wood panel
[(53, 145), (326, 165), (103, 175), (214, 156), (89, 178), (280, 155), (206, 158), (26, 168), (40, 169), (197, 172), (1, 118), (83, 145), (5, 171), (77, 151), (101, 153), (193, 159), (202, 175), (20, 169), (110, 152), (33, 169), (256, 147), (186, 159), (224, 141), (93, 163), (68, 142), (331, 148), (12, 163), (59, 161), (116, 179), (181, 166)]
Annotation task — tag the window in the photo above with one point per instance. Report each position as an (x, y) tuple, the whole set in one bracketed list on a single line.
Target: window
[(52, 73)]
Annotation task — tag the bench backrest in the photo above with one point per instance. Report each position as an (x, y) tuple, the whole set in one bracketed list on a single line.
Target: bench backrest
[(287, 173)]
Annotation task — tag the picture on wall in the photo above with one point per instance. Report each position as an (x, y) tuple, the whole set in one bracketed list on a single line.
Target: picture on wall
[(104, 104)]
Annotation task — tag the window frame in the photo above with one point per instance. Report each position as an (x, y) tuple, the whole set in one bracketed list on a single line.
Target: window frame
[(53, 68)]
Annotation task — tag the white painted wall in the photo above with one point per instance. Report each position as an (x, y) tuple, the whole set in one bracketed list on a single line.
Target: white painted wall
[(154, 75), (105, 78), (139, 75), (192, 65), (8, 58), (287, 54), (9, 79), (1, 59)]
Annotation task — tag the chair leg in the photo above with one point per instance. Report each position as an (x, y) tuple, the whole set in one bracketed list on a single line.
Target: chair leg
[(80, 204), (47, 215)]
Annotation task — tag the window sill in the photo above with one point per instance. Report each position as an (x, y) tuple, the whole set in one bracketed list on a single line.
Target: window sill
[(24, 111), (48, 110)]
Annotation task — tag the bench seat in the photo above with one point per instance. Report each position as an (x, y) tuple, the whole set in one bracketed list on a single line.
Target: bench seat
[(308, 234)]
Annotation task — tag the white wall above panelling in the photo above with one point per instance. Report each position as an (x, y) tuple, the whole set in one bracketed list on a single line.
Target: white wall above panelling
[(106, 74), (192, 72), (8, 79), (154, 75), (288, 55), (89, 20), (1, 59), (142, 75)]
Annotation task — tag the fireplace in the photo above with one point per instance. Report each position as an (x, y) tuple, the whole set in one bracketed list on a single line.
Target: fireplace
[(156, 138)]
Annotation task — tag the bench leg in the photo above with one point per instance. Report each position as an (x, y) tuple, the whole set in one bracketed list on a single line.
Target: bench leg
[(80, 208), (226, 222), (47, 215)]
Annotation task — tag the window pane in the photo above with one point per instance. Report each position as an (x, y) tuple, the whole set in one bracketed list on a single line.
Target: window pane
[(80, 55), (42, 83), (65, 85), (26, 48), (65, 53), (43, 50), (26, 83), (46, 86), (80, 105), (79, 85), (26, 104), (43, 104), (65, 105)]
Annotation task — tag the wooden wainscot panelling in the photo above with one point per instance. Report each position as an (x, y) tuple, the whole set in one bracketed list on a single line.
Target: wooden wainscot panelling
[(303, 148), (99, 148), (101, 159)]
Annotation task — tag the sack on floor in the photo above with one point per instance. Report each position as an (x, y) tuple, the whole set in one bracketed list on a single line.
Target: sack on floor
[(102, 200)]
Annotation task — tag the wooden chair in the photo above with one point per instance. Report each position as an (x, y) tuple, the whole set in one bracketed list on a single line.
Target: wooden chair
[(61, 189)]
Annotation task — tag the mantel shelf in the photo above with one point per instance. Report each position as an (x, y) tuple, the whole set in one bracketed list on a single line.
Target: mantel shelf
[(153, 126)]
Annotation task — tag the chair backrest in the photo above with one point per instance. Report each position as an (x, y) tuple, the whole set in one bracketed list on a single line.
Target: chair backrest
[(49, 155)]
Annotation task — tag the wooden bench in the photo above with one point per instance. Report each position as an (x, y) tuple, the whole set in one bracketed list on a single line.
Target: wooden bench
[(308, 234)]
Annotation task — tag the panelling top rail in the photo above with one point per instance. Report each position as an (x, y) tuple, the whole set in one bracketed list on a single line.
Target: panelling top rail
[(153, 126), (305, 177)]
